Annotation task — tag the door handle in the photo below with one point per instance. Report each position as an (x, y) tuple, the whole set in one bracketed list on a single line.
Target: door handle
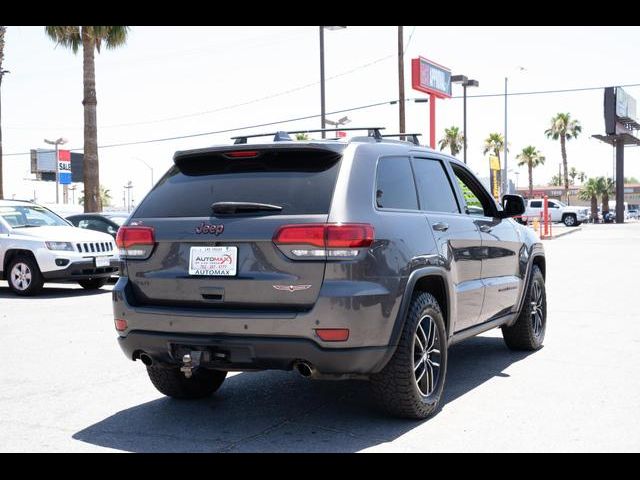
[(485, 228), (441, 226)]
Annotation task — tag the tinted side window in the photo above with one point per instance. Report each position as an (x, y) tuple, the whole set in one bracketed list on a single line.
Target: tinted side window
[(536, 204), (434, 188), (394, 184)]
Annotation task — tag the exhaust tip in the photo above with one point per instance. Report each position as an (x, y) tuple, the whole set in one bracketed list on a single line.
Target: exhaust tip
[(304, 368), (146, 359)]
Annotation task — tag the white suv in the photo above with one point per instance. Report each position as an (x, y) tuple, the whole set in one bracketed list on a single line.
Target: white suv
[(38, 246)]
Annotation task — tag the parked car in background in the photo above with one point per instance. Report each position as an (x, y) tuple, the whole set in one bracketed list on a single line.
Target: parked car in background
[(106, 222), (570, 216), (633, 214), (38, 246)]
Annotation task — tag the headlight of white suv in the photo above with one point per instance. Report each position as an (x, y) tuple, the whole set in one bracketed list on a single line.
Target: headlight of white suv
[(59, 246)]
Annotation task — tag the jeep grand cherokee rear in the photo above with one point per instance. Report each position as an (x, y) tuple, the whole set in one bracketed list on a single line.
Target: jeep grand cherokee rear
[(223, 269)]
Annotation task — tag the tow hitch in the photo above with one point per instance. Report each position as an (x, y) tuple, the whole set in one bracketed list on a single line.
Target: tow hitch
[(192, 360)]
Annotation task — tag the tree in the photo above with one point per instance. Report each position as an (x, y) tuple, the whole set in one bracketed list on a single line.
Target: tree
[(302, 136), (90, 39), (532, 158), (590, 192), (3, 29), (452, 139), (494, 144), (563, 128), (556, 181), (631, 180), (582, 177), (105, 197), (607, 188)]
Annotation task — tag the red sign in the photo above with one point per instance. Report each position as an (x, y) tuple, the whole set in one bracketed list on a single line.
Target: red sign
[(429, 77)]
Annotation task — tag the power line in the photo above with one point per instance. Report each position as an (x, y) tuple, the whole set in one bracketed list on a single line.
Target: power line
[(307, 117), (227, 130)]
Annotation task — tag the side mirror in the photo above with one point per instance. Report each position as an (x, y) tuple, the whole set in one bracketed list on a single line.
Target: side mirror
[(512, 206)]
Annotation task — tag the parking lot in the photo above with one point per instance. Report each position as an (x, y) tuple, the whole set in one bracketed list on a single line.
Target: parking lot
[(65, 385)]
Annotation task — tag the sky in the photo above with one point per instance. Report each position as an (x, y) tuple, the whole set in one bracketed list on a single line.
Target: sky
[(174, 81)]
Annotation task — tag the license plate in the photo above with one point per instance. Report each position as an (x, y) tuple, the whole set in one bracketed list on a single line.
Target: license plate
[(213, 261), (102, 262)]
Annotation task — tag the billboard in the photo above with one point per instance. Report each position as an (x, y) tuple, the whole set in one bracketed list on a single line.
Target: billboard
[(43, 160), (429, 77), (43, 164)]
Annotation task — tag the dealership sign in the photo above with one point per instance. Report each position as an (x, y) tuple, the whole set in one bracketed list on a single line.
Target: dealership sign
[(429, 77), (64, 167)]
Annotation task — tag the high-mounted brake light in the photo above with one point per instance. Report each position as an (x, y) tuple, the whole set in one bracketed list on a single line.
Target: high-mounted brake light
[(242, 154), (334, 240), (135, 242)]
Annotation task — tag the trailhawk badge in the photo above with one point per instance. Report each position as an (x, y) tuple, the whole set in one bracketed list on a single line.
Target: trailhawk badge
[(291, 288)]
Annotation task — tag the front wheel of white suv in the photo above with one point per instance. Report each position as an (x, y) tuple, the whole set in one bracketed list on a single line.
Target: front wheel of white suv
[(24, 275)]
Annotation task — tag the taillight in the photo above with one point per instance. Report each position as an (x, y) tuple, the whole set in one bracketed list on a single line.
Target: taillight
[(242, 154), (335, 240), (135, 242)]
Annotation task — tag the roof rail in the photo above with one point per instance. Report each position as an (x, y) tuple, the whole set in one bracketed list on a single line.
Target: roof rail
[(411, 137), (285, 136)]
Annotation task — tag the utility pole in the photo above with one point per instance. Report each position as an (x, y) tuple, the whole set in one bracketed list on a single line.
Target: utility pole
[(401, 100), (58, 142), (505, 180), (3, 29)]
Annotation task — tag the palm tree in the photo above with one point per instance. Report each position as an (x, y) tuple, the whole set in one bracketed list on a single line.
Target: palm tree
[(452, 139), (564, 128), (607, 187), (582, 177), (3, 29), (302, 136), (590, 192), (494, 144), (532, 158), (91, 39), (105, 197)]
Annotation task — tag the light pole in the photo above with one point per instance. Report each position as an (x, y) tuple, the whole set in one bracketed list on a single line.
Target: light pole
[(73, 193), (148, 166), (465, 82), (505, 181), (128, 188), (322, 106), (60, 141), (341, 121)]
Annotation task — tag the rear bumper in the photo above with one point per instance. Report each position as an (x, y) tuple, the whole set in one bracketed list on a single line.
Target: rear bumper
[(251, 353), (84, 270)]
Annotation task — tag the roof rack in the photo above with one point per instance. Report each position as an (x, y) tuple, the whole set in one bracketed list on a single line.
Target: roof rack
[(282, 136), (411, 137)]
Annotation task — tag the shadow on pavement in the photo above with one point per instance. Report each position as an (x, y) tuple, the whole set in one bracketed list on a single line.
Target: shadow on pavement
[(280, 411), (52, 292)]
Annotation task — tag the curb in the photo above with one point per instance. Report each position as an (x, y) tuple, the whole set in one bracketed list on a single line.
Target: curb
[(566, 232)]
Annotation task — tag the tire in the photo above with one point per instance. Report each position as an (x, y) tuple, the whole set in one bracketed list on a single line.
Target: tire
[(570, 220), (93, 284), (24, 276), (402, 388), (528, 331), (170, 381)]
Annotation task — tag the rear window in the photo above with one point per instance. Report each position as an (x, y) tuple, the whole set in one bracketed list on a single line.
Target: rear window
[(301, 182)]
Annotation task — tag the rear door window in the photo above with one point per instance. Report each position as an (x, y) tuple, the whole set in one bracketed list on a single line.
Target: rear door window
[(395, 187), (299, 181)]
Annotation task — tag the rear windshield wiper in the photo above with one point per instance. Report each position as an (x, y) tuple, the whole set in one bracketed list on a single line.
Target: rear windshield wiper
[(236, 207)]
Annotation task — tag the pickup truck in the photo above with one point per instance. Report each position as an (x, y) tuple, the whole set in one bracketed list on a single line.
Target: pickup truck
[(570, 216)]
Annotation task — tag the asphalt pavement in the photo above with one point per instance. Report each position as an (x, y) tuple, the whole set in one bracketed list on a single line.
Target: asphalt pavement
[(66, 386)]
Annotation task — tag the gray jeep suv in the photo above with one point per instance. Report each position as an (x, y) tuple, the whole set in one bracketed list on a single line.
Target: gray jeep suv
[(339, 259)]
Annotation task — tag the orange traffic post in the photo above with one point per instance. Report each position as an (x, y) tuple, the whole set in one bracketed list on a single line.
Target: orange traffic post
[(546, 216)]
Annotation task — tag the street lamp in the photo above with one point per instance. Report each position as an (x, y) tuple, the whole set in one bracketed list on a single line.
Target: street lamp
[(505, 180), (60, 141), (148, 166), (465, 82), (322, 107), (341, 121)]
